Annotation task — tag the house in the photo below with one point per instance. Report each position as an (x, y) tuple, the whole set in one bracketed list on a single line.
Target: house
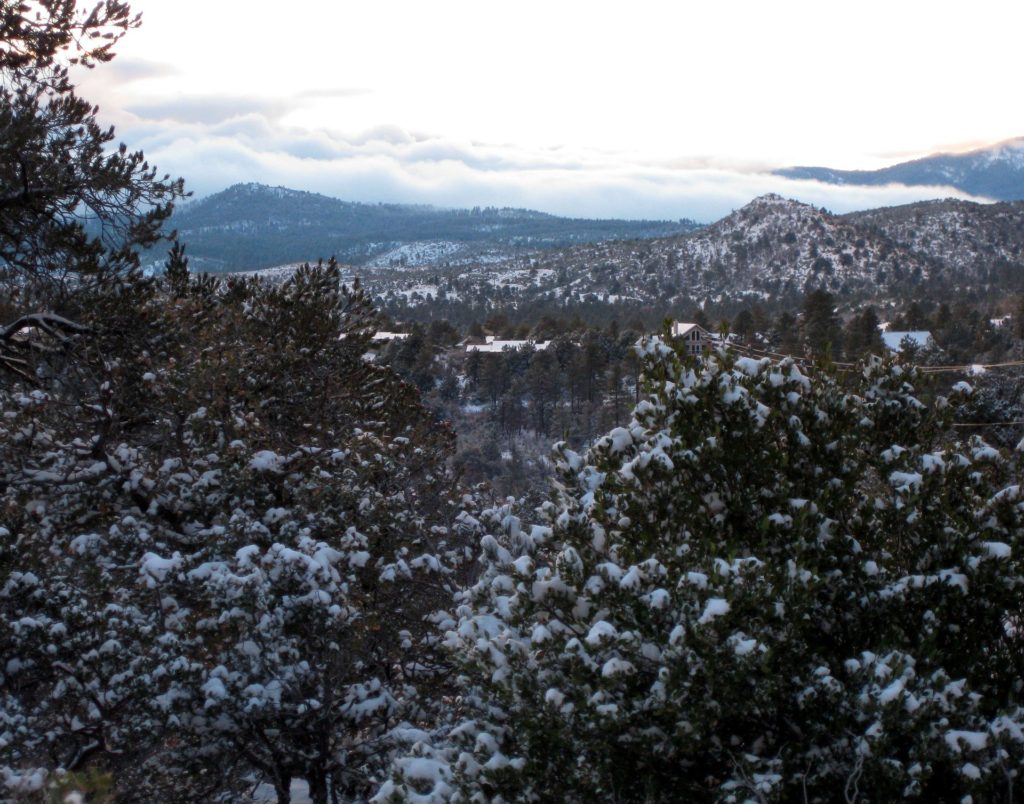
[(377, 341), (896, 340), (380, 337), (495, 345), (696, 339)]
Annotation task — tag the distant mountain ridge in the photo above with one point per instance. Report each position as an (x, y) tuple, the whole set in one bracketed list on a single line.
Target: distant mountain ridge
[(995, 172), (251, 226)]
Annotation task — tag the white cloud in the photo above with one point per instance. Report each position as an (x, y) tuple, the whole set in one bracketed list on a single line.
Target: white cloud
[(580, 107), (209, 108), (790, 82), (390, 164)]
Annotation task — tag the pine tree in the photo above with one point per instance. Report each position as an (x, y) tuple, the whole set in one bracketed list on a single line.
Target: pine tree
[(862, 335), (819, 325), (221, 532), (543, 382), (71, 207), (769, 586), (743, 324)]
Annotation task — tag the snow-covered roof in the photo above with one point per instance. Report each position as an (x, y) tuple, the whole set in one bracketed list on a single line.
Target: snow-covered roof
[(381, 336), (495, 345), (893, 339), (682, 327)]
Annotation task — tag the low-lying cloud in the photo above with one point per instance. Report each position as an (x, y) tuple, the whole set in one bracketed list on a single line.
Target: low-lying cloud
[(216, 143), (211, 109)]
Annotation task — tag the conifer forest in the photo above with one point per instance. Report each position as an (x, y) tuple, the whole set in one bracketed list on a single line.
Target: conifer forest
[(498, 527)]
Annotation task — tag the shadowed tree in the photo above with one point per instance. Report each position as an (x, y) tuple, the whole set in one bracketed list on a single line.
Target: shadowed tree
[(819, 325), (768, 586), (74, 210), (862, 334), (544, 386)]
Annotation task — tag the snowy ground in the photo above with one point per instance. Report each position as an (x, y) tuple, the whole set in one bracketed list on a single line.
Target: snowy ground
[(417, 254), (264, 794), (279, 273)]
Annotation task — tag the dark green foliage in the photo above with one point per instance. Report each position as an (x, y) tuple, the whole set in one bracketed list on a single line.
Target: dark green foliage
[(73, 210), (769, 586), (69, 204), (819, 325), (862, 336), (227, 526)]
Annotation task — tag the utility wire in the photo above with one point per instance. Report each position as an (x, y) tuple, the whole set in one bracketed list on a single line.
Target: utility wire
[(969, 368), (846, 367), (988, 424)]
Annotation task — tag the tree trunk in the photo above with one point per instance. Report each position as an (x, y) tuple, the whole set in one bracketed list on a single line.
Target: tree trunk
[(283, 788), (318, 787)]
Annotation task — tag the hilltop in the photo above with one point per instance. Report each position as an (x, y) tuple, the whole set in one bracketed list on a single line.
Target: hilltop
[(772, 250), (995, 172), (251, 226)]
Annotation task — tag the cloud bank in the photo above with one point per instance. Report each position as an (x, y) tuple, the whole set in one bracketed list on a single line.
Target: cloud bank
[(216, 141)]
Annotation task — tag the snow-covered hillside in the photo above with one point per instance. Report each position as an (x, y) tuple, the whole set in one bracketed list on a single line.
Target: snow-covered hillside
[(770, 249), (996, 172)]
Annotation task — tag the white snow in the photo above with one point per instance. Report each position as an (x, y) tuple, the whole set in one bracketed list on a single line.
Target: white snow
[(614, 667), (892, 692), (715, 607), (906, 481), (996, 549), (599, 631), (266, 461), (619, 439), (498, 346), (973, 740), (971, 771)]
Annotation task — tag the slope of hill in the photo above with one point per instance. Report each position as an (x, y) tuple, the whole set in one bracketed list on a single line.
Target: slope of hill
[(771, 250), (252, 226), (965, 243), (995, 172)]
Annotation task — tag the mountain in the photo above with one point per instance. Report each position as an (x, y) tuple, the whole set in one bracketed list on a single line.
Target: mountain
[(976, 244), (771, 250), (250, 226), (995, 172)]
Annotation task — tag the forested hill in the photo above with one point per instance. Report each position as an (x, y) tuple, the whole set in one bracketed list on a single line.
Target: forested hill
[(771, 251), (249, 226), (995, 172)]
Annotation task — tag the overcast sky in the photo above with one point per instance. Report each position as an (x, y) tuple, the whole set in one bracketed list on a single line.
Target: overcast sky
[(645, 109)]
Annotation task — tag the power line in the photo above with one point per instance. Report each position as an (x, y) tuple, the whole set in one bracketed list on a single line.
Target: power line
[(988, 424), (973, 368), (970, 368)]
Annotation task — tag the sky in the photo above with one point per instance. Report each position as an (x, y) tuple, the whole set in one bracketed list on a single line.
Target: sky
[(641, 110)]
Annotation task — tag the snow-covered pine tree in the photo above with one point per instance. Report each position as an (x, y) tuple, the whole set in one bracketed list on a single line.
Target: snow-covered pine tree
[(774, 584), (74, 207), (222, 528)]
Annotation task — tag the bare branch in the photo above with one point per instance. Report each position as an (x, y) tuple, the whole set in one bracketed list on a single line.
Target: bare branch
[(50, 323)]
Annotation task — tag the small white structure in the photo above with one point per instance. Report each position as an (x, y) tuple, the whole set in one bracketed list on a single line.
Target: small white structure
[(696, 339), (389, 336), (381, 337), (895, 340), (498, 346)]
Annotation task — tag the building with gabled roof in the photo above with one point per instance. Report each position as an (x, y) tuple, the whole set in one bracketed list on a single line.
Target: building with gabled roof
[(497, 345), (696, 339)]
